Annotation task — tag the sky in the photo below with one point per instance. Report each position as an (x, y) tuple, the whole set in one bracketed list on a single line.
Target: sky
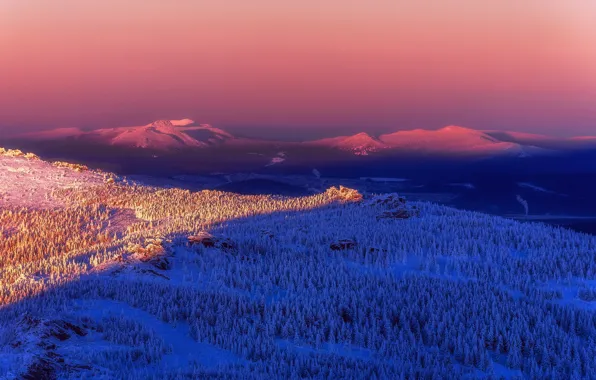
[(299, 68)]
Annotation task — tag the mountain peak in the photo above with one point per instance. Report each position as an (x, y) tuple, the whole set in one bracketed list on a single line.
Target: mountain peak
[(458, 129), (161, 124), (164, 123), (182, 122), (362, 135), (361, 144)]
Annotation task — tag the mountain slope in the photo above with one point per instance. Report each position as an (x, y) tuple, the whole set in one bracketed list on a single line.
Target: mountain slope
[(450, 140), (543, 141), (137, 282), (360, 144), (159, 135), (447, 141)]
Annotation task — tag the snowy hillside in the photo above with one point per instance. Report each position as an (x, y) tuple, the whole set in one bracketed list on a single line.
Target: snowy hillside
[(123, 281), (28, 181)]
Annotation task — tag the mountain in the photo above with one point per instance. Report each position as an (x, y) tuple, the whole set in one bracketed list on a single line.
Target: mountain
[(543, 141), (112, 279), (447, 141), (451, 141), (360, 144), (454, 141), (159, 135)]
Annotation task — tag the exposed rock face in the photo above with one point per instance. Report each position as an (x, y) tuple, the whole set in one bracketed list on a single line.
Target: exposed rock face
[(343, 244), (162, 124), (161, 263), (391, 200), (47, 335), (207, 240), (152, 253), (398, 214), (76, 167), (203, 238), (396, 205)]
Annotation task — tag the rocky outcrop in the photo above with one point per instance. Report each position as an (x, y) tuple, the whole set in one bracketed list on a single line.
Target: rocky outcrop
[(344, 194), (47, 336), (207, 240), (76, 167), (396, 206), (398, 214), (343, 244), (391, 200)]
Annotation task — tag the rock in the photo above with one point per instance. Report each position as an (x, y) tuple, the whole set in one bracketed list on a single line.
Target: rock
[(61, 330), (49, 364), (391, 200), (343, 244), (227, 245), (203, 238), (209, 241), (344, 194), (153, 248), (41, 369), (398, 214), (153, 273), (398, 209), (68, 165), (160, 262)]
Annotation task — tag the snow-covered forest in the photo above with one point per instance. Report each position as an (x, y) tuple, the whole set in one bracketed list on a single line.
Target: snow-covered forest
[(118, 280)]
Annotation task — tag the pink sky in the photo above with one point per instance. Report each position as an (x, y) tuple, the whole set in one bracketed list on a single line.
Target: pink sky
[(328, 65)]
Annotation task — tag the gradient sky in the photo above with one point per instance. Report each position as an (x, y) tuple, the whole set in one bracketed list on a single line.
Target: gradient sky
[(300, 67)]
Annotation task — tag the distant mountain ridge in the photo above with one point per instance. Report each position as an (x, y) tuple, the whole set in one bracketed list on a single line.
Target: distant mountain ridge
[(159, 135), (361, 144), (168, 135)]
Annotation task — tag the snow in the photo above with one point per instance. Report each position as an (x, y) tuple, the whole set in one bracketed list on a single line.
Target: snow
[(182, 122), (183, 351), (347, 351), (158, 135), (448, 141), (30, 183), (445, 294), (531, 186), (453, 140), (361, 144)]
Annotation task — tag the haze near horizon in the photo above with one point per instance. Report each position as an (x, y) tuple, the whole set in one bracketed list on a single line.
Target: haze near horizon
[(308, 68)]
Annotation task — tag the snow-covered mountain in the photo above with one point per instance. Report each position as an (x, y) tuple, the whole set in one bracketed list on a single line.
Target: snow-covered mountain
[(544, 141), (451, 141), (159, 135), (360, 144)]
